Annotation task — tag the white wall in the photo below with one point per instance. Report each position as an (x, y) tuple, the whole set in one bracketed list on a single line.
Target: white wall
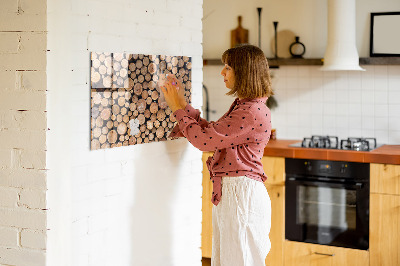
[(136, 205), (23, 133), (306, 19), (311, 102)]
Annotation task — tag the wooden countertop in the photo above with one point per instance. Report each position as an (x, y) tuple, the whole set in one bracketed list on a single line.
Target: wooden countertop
[(389, 154)]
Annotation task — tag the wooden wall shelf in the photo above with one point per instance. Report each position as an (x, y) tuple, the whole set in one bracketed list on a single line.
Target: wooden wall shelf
[(380, 61), (274, 63)]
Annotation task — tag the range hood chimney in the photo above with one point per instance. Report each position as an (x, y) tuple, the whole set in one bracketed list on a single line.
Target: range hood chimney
[(341, 51)]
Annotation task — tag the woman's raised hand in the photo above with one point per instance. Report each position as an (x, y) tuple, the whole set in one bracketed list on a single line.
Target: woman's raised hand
[(173, 93)]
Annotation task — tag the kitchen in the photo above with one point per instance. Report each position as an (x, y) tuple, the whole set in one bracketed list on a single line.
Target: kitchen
[(113, 206), (313, 104)]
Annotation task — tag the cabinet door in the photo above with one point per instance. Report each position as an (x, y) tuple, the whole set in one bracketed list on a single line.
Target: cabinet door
[(277, 233), (274, 168), (304, 254), (206, 232), (384, 230), (385, 178)]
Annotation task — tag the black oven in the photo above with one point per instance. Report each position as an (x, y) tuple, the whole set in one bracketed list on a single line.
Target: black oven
[(327, 202)]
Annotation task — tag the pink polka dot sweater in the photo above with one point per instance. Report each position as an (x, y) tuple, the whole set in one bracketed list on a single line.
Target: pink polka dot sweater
[(238, 139)]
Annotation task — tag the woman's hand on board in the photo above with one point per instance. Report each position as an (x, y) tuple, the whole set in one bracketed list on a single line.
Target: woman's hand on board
[(173, 93)]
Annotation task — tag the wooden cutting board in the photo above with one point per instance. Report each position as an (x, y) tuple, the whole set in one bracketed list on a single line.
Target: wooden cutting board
[(239, 35)]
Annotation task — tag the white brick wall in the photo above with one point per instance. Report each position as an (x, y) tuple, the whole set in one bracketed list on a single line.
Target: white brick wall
[(137, 205), (22, 132)]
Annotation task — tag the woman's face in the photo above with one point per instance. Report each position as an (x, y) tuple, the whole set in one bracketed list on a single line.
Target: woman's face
[(229, 76)]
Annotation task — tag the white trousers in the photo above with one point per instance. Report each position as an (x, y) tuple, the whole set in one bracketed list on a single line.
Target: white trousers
[(241, 223)]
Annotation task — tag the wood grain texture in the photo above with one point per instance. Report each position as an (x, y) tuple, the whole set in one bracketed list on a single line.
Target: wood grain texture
[(274, 168), (385, 178), (304, 254), (384, 230), (206, 225), (124, 93), (277, 234)]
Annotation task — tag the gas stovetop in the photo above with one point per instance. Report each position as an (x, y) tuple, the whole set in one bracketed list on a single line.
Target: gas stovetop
[(332, 142)]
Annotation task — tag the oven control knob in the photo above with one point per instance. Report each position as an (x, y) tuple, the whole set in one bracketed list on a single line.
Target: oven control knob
[(343, 168), (308, 166)]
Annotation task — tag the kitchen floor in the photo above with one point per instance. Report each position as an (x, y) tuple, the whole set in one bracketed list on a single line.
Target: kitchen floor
[(206, 261)]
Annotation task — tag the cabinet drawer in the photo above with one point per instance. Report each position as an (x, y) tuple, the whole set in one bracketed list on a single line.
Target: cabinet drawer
[(304, 254)]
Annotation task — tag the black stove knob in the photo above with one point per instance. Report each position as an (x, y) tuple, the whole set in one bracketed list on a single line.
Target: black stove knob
[(343, 168), (308, 166)]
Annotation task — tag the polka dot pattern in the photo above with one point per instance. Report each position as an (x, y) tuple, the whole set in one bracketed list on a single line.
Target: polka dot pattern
[(238, 139)]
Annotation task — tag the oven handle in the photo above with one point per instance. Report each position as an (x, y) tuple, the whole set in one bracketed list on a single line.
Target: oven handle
[(357, 185)]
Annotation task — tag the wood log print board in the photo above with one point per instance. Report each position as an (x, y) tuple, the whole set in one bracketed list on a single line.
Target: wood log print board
[(127, 106)]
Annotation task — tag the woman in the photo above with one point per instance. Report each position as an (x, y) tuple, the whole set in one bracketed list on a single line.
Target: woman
[(242, 208)]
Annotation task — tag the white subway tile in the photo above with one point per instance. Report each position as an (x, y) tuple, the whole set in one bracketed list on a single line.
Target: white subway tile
[(381, 110), (368, 110), (291, 71), (367, 82), (368, 123), (394, 110), (382, 136), (367, 96), (328, 74), (329, 109), (329, 122), (342, 80), (394, 137), (342, 109), (355, 96), (394, 97), (367, 133), (394, 123), (380, 84), (380, 71), (354, 80), (382, 123), (329, 93), (342, 97), (381, 97), (355, 132), (355, 122)]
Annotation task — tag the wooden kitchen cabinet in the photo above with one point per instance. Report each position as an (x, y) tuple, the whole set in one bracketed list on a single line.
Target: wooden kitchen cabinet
[(385, 215), (385, 178), (277, 233), (274, 168), (206, 225), (305, 254)]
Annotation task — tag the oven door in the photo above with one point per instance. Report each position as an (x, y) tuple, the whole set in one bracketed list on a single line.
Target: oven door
[(327, 213)]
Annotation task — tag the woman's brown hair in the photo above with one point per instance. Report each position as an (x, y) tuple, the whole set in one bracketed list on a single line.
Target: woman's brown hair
[(250, 66)]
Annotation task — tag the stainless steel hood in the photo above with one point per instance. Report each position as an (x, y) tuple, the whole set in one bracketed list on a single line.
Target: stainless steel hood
[(341, 51)]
